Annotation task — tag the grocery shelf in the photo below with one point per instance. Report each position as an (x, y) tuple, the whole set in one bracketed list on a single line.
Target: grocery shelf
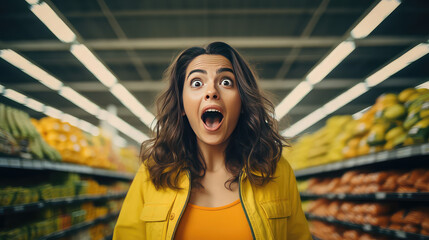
[(381, 196), (370, 228), (80, 226), (408, 152), (20, 163), (57, 202)]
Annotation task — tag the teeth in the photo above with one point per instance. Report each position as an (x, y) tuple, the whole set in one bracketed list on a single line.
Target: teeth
[(212, 110)]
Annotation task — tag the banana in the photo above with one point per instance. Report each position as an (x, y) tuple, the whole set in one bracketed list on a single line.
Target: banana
[(3, 119), (394, 132), (420, 131), (12, 125), (396, 111), (405, 94)]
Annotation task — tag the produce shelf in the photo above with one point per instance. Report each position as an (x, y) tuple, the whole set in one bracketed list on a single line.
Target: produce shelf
[(381, 196), (57, 202), (79, 227), (409, 152), (19, 163), (370, 228)]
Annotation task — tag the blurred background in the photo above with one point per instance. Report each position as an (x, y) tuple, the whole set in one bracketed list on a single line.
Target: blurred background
[(349, 80)]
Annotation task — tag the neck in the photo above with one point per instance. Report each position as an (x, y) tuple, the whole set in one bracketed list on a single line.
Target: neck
[(213, 156)]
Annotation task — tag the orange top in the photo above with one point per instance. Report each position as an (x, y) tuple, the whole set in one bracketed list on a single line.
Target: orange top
[(226, 222)]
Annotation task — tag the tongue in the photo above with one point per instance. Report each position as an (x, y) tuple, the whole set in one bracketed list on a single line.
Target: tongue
[(212, 122)]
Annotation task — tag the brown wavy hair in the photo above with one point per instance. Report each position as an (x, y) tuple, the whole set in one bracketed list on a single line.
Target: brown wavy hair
[(255, 146)]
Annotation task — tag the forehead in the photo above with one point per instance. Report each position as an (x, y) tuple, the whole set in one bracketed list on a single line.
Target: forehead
[(206, 61)]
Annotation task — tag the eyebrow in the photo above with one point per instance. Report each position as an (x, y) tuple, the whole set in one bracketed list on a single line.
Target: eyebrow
[(205, 72)]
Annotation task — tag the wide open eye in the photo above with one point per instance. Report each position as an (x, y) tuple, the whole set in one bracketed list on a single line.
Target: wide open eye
[(226, 82), (196, 83)]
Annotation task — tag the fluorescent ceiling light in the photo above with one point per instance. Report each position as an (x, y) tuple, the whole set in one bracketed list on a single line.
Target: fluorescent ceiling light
[(103, 114), (293, 98), (1, 89), (15, 96), (29, 68), (53, 22), (70, 119), (424, 85), (359, 114), (95, 131), (31, 2), (398, 64), (35, 105), (330, 62), (85, 56), (86, 126), (304, 123), (126, 128), (383, 9), (79, 100), (53, 112), (119, 141), (133, 104), (345, 98)]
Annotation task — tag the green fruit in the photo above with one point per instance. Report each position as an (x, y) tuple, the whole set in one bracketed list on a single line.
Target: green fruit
[(17, 117), (11, 123), (412, 118), (394, 112), (394, 132), (36, 148), (3, 120)]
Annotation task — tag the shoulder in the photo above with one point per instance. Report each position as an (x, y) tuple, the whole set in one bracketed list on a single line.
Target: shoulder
[(283, 167)]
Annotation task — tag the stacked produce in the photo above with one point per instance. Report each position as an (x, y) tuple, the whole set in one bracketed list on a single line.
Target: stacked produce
[(385, 215), (332, 232), (18, 135), (56, 219), (393, 121), (321, 147), (66, 185), (361, 182)]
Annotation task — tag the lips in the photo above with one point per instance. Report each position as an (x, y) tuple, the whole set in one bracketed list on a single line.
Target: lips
[(212, 117)]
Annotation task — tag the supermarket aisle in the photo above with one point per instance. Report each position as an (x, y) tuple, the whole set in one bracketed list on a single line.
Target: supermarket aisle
[(368, 178)]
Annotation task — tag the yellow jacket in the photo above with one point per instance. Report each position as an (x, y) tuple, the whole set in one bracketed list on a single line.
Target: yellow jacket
[(273, 211)]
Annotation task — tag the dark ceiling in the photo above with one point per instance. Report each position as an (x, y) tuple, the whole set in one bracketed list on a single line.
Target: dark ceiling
[(283, 40)]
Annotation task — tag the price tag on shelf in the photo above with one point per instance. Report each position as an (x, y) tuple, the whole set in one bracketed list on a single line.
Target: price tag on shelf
[(13, 162), (341, 195), (404, 152), (18, 208), (380, 195), (27, 163), (37, 164), (48, 165), (350, 163), (4, 162), (401, 234), (362, 160), (425, 148), (367, 227), (382, 156)]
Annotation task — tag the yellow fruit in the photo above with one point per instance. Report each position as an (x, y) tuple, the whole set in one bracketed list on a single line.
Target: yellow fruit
[(405, 94), (422, 90), (387, 99), (394, 132), (394, 112)]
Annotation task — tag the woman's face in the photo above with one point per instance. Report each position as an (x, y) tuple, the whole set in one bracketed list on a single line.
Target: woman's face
[(211, 99)]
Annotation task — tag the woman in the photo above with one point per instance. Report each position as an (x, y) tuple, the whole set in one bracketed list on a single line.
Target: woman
[(214, 169)]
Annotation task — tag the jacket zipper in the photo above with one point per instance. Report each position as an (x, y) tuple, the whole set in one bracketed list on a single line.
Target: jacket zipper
[(244, 207), (184, 207)]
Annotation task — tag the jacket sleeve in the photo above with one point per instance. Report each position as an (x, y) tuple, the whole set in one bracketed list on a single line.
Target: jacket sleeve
[(297, 226), (129, 226)]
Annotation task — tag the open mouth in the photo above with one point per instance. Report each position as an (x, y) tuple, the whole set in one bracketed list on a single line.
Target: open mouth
[(212, 118)]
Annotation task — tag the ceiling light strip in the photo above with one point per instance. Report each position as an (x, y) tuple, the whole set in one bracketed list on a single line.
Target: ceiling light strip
[(49, 111), (48, 16), (383, 9), (52, 21), (399, 63), (65, 91)]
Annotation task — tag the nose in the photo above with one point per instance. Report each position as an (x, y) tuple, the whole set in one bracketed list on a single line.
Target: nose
[(212, 93)]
